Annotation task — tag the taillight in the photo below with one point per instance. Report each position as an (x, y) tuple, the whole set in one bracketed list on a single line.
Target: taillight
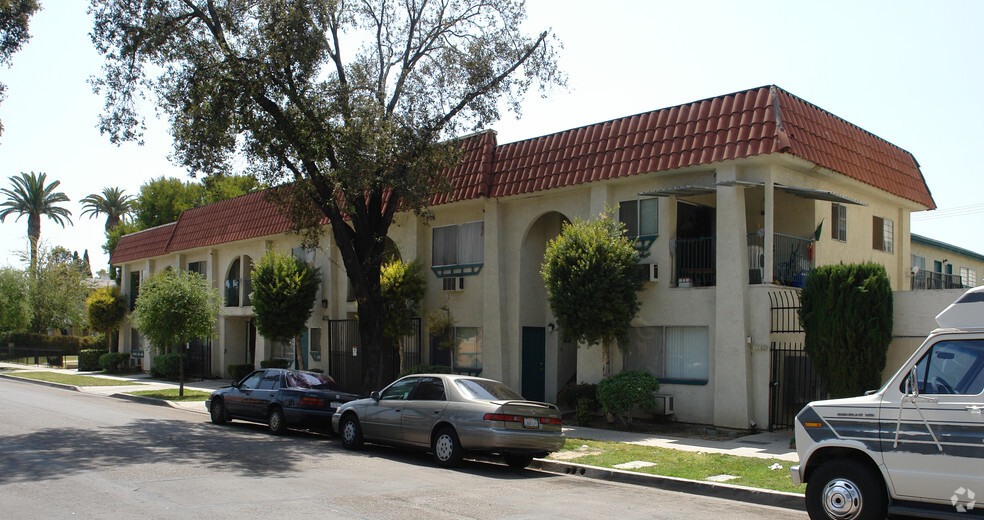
[(550, 420), (312, 401), (503, 417)]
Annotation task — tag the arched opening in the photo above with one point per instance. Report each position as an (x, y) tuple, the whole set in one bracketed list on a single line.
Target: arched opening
[(247, 280), (546, 362), (232, 284)]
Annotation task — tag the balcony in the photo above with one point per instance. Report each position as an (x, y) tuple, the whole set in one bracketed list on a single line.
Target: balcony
[(695, 262), (792, 258), (930, 280)]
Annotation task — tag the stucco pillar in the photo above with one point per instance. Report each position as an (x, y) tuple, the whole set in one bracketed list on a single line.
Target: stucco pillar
[(730, 353), (495, 362), (769, 238)]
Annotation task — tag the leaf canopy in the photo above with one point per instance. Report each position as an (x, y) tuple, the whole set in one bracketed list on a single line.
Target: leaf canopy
[(284, 290), (174, 307)]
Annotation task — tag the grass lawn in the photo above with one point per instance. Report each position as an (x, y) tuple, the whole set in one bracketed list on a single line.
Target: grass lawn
[(752, 472), (72, 379), (171, 394)]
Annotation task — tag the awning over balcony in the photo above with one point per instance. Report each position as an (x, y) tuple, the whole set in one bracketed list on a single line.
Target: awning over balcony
[(806, 193)]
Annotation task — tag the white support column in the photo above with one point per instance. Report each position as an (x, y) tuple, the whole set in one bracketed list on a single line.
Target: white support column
[(730, 351), (769, 270), (495, 353)]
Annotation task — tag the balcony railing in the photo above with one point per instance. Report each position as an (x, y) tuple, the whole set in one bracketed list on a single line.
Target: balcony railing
[(929, 280), (695, 262), (792, 258)]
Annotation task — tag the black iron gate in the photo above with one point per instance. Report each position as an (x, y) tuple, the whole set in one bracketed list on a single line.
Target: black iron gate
[(345, 364), (199, 362), (793, 383)]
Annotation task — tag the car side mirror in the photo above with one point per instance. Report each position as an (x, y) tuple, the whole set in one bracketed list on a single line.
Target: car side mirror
[(375, 396), (912, 383)]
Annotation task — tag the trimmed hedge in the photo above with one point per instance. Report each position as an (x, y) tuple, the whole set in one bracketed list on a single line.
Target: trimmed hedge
[(89, 359), (166, 366), (620, 393), (572, 393), (69, 345), (238, 372), (114, 361), (275, 363)]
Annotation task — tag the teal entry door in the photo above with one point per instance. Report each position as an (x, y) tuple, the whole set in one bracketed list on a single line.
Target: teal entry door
[(534, 362)]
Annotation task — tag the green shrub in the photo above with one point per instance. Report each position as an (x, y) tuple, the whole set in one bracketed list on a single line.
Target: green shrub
[(69, 345), (238, 372), (275, 363), (847, 314), (166, 366), (114, 361), (89, 359), (585, 406), (426, 369), (572, 393), (620, 393)]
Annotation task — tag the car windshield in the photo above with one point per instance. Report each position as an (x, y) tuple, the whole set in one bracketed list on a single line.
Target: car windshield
[(310, 380), (486, 389)]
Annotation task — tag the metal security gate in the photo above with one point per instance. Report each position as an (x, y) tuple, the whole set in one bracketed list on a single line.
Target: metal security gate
[(199, 361), (346, 360), (793, 383)]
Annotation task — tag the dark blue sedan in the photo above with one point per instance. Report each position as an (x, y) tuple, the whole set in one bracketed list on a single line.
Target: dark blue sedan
[(279, 398)]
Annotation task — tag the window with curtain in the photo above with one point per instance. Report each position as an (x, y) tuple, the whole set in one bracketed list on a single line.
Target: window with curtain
[(670, 353), (197, 267), (232, 284), (641, 217), (883, 234), (458, 244), (469, 347)]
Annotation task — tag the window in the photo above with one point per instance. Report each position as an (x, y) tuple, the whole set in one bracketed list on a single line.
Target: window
[(197, 267), (247, 280), (468, 354), (315, 344), (399, 390), (252, 381), (918, 261), (135, 344), (641, 217), (134, 289), (232, 285), (883, 235), (952, 367), (458, 245), (838, 222), (486, 389), (672, 354), (239, 273), (429, 389), (270, 382), (968, 277)]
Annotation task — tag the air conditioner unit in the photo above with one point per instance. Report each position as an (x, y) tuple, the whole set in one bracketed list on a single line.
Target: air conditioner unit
[(648, 272), (664, 404), (453, 284)]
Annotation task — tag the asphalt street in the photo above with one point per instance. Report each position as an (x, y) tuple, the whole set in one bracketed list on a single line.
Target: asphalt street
[(66, 454)]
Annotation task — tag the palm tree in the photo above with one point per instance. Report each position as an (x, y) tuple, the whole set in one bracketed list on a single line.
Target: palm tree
[(112, 203), (30, 196)]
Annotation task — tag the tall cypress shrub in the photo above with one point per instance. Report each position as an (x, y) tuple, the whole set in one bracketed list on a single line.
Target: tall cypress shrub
[(847, 313)]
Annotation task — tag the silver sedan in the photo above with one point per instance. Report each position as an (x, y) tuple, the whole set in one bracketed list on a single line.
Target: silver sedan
[(452, 415)]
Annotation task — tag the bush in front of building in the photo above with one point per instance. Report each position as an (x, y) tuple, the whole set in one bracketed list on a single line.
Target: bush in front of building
[(572, 393), (847, 314), (166, 366), (89, 359), (113, 362), (275, 363), (69, 345), (622, 392), (238, 372)]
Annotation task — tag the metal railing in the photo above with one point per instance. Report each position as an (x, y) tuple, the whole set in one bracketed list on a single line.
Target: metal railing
[(695, 262), (930, 280), (52, 357), (792, 258)]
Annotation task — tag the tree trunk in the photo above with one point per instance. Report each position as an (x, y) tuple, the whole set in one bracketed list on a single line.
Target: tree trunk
[(371, 340), (34, 235), (606, 356), (181, 371)]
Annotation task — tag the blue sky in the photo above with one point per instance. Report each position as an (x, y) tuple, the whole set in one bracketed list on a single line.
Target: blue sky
[(909, 72)]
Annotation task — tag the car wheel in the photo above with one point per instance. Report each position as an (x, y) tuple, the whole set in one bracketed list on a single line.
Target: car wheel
[(276, 421), (218, 412), (447, 448), (351, 432), (844, 489), (518, 460)]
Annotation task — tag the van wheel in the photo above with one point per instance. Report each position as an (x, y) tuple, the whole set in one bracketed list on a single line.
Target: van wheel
[(845, 489)]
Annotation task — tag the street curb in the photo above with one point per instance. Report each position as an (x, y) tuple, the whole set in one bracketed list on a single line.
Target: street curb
[(726, 491), (40, 382), (154, 401)]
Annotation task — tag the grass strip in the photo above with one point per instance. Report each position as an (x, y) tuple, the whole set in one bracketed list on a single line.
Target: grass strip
[(72, 379), (171, 394), (751, 471)]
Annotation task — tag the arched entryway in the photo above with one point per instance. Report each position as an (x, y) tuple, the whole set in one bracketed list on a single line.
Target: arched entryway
[(546, 363)]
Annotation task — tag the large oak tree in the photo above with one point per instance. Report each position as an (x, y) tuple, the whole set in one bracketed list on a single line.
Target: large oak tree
[(345, 101)]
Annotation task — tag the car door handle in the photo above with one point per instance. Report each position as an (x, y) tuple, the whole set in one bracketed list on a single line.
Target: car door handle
[(436, 412), (974, 409), (396, 409)]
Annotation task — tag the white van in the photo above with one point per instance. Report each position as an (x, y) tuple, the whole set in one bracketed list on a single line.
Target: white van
[(914, 447)]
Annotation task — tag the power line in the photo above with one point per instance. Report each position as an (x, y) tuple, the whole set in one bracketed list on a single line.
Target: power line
[(959, 211)]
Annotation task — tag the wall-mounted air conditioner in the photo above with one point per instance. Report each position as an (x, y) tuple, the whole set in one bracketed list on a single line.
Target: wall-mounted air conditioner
[(648, 272), (664, 404), (453, 284)]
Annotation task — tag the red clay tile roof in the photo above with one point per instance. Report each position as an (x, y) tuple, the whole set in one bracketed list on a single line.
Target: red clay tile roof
[(758, 121), (753, 122), (142, 244)]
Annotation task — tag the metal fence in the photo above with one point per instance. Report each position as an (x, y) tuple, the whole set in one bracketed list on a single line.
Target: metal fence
[(785, 316), (51, 357), (345, 364), (793, 383), (695, 262), (930, 280), (793, 258)]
